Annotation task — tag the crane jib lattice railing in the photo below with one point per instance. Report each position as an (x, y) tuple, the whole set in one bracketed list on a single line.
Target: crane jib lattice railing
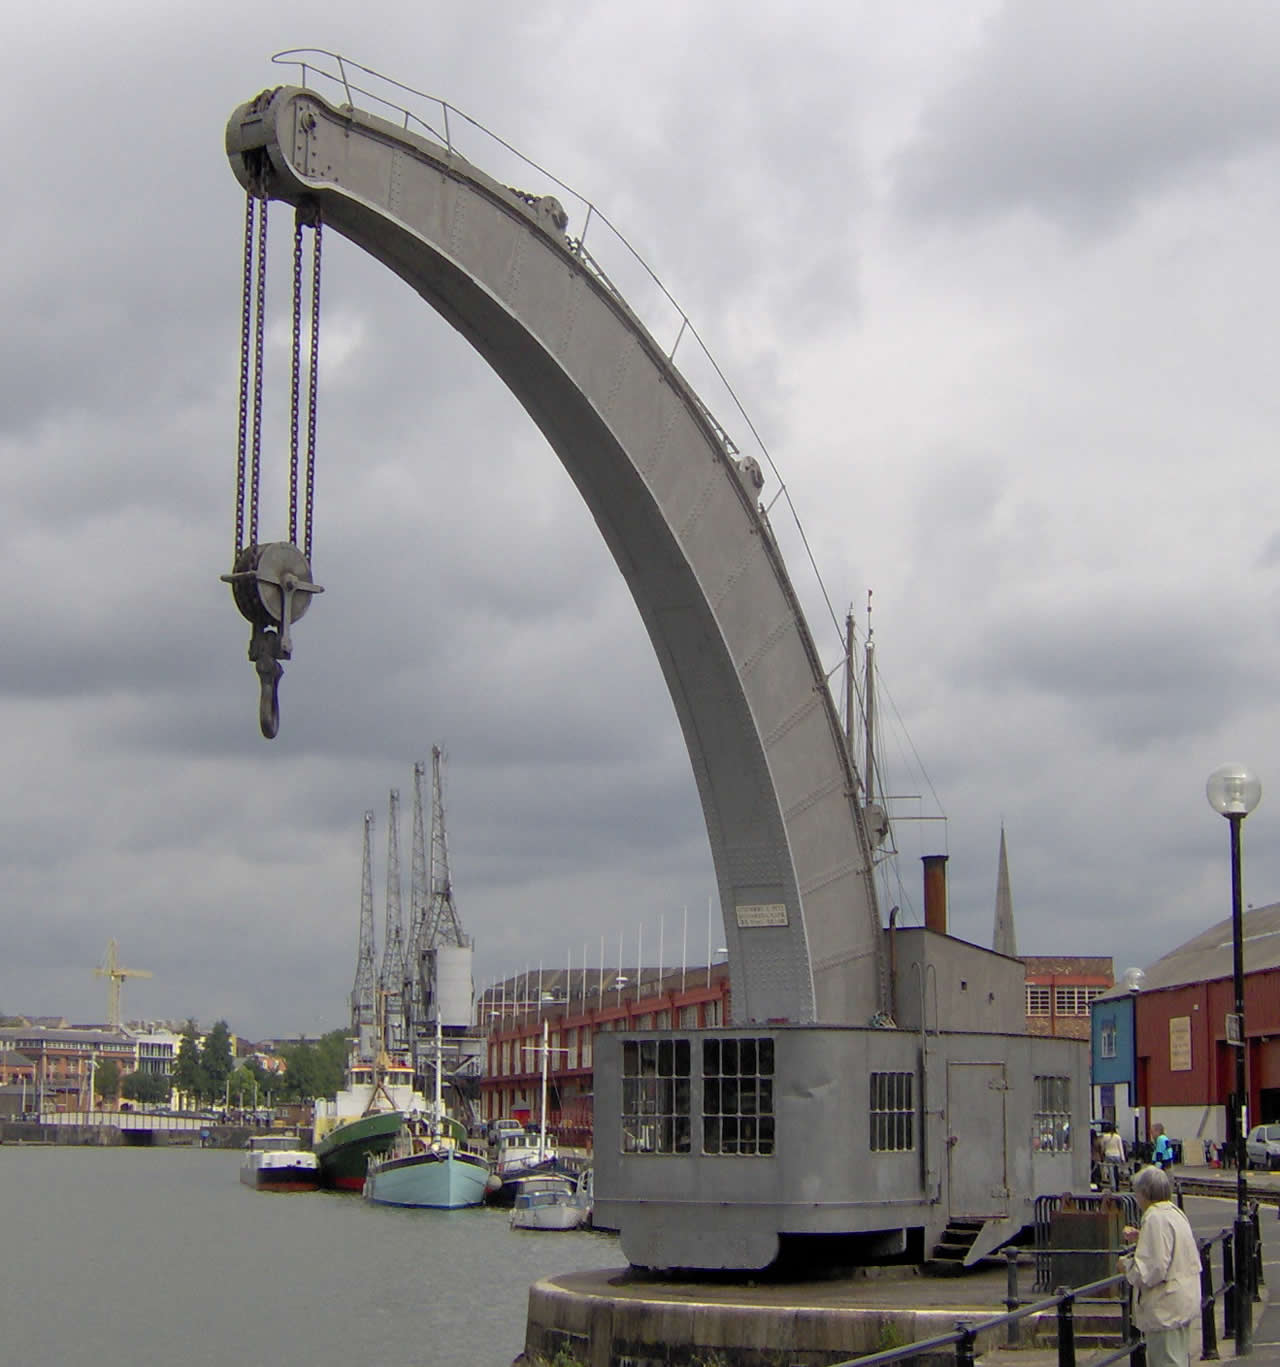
[(965, 1337)]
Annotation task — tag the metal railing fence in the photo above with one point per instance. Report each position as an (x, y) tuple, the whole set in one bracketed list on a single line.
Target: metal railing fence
[(963, 1340)]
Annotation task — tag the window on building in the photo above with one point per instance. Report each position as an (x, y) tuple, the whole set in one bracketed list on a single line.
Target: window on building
[(1051, 1124), (1107, 1040), (714, 1014), (1037, 1000), (892, 1112), (1074, 1001), (655, 1096), (688, 1017), (737, 1096)]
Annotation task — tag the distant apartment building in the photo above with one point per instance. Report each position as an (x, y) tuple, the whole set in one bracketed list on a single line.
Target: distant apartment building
[(157, 1049), (574, 1007), (64, 1061), (1060, 991)]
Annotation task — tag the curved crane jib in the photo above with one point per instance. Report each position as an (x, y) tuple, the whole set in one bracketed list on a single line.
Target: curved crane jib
[(676, 505)]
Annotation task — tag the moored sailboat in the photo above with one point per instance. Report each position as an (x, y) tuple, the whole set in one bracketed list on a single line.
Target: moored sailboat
[(428, 1163), (521, 1157), (553, 1202)]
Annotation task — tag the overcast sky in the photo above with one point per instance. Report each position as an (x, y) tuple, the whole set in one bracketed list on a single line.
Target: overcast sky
[(997, 285)]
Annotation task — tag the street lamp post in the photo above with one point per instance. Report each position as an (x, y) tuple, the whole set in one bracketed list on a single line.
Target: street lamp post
[(1134, 978), (1234, 791)]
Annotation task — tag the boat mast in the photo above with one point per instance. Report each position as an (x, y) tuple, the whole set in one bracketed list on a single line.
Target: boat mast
[(542, 1120), (439, 1092)]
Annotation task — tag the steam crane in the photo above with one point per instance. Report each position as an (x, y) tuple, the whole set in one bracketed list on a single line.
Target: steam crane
[(364, 992), (391, 976), (112, 970)]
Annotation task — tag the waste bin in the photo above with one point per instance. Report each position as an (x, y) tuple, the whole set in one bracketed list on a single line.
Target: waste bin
[(1084, 1245)]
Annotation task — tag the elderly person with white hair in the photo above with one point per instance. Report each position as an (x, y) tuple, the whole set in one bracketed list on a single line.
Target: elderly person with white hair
[(1165, 1269)]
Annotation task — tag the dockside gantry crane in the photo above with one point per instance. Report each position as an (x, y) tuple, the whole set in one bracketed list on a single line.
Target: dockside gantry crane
[(364, 991), (391, 976)]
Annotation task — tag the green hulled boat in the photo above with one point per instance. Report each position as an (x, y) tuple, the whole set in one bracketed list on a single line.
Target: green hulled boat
[(345, 1151)]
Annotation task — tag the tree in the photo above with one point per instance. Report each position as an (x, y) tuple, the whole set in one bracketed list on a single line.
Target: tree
[(106, 1078), (216, 1059), (247, 1082), (331, 1056), (149, 1088), (301, 1071), (188, 1073)]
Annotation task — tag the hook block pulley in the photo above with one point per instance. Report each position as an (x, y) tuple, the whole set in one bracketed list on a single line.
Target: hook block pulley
[(271, 581), (272, 587)]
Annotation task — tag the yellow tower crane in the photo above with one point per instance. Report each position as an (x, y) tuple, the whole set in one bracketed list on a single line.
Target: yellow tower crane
[(112, 970)]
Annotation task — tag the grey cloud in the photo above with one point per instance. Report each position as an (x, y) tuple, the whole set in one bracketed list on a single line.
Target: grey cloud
[(1078, 113)]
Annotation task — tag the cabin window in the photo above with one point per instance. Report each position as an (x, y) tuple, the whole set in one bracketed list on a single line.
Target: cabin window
[(737, 1096), (1107, 1040), (1051, 1124), (892, 1112), (655, 1096)]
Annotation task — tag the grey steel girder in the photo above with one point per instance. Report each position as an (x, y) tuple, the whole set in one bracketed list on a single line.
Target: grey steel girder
[(778, 789)]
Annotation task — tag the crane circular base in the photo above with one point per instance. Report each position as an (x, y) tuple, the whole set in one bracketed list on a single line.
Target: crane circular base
[(259, 597)]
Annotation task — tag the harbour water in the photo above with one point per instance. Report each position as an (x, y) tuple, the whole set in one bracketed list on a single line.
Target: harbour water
[(162, 1258)]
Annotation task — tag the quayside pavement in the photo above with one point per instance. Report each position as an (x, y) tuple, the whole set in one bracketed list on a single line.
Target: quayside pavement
[(606, 1317)]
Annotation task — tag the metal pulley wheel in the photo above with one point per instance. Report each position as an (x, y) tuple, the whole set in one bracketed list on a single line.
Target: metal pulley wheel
[(265, 576)]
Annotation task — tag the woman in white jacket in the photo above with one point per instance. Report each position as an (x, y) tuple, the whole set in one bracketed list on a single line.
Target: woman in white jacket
[(1165, 1269)]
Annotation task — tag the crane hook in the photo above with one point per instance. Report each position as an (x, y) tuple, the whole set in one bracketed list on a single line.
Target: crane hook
[(272, 587), (264, 654)]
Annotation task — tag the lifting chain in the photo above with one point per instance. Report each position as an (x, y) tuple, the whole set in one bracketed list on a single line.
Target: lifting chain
[(271, 583)]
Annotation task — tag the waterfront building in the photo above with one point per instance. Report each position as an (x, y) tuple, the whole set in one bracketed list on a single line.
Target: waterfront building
[(1060, 991), (1161, 1054), (576, 1006), (157, 1049), (64, 1061), (1114, 1065), (17, 1083)]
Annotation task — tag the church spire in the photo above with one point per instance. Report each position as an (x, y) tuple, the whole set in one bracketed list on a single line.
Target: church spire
[(1004, 940)]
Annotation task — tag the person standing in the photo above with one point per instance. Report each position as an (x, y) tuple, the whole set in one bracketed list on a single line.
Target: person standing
[(1112, 1155), (1162, 1155), (1165, 1270)]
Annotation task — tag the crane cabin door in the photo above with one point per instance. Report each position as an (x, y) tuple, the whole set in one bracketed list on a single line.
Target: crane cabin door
[(977, 1185)]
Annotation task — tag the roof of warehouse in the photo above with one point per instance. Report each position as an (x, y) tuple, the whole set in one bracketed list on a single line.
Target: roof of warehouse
[(1208, 956)]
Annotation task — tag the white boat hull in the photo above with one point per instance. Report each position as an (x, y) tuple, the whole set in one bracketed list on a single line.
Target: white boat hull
[(552, 1203), (553, 1215)]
